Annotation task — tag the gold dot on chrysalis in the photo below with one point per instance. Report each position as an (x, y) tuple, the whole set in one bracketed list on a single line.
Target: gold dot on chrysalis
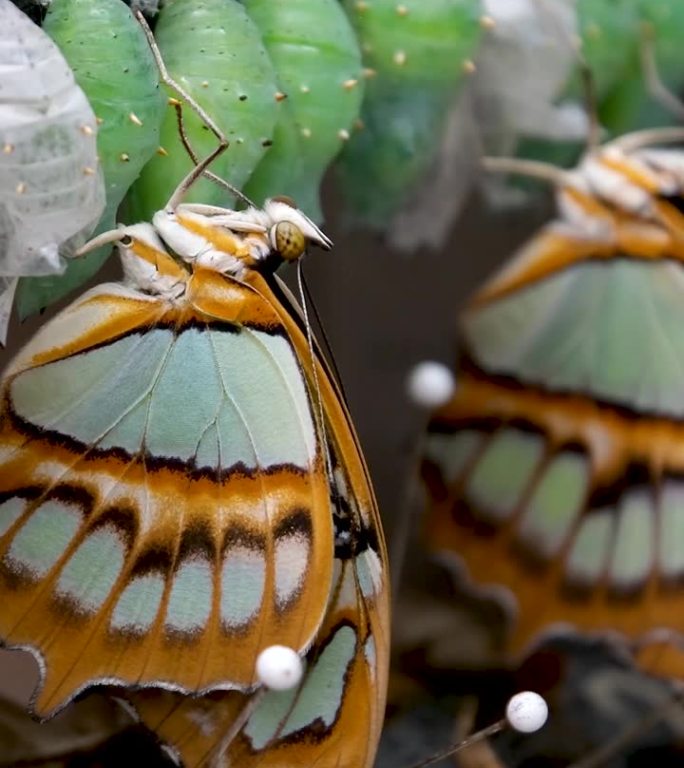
[(86, 130), (306, 133), (280, 96), (134, 119), (304, 89), (593, 30), (468, 66), (399, 58), (99, 120), (401, 10), (205, 83), (343, 134), (20, 188), (487, 22), (361, 6), (349, 84), (239, 141), (88, 171), (369, 72), (7, 149), (162, 152), (124, 157)]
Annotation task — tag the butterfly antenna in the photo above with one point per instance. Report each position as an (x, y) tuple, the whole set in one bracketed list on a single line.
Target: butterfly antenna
[(654, 82), (314, 372), (201, 167), (326, 341)]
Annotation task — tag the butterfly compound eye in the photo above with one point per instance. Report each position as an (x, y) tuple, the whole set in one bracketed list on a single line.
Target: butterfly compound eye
[(289, 240)]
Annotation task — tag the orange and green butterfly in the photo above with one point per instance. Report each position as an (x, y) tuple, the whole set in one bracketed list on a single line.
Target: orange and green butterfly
[(181, 488), (557, 469)]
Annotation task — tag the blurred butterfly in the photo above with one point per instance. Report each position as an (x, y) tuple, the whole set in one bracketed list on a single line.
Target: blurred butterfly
[(557, 470), (181, 487)]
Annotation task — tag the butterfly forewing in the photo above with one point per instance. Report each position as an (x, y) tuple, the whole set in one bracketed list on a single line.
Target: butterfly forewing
[(165, 505)]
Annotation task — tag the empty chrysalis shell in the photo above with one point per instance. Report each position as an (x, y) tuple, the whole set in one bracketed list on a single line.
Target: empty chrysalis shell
[(112, 62), (418, 54), (318, 63), (51, 188), (213, 50)]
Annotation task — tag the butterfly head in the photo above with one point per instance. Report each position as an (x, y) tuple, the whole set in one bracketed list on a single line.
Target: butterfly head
[(631, 172), (289, 230)]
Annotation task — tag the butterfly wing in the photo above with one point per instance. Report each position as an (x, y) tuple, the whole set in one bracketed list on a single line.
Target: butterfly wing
[(333, 718), (165, 505), (556, 470)]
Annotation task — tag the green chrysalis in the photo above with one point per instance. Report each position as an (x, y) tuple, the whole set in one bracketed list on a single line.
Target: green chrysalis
[(318, 63), (419, 52), (112, 62), (213, 50)]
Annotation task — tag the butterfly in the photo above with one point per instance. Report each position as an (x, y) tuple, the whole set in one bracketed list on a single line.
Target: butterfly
[(181, 487), (557, 469)]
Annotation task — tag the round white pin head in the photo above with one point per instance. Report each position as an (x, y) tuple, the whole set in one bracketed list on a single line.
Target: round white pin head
[(430, 384), (527, 712), (279, 667)]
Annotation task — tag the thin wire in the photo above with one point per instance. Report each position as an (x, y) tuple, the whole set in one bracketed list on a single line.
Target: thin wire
[(485, 733)]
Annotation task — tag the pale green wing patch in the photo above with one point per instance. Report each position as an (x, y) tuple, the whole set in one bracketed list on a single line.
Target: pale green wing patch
[(611, 330), (555, 504), (503, 472), (199, 396)]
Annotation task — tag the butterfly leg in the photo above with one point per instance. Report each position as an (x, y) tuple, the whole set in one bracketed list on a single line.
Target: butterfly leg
[(202, 166), (654, 83)]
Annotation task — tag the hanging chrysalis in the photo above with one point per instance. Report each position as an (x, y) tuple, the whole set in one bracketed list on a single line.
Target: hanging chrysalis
[(419, 53), (318, 64), (50, 186), (112, 62), (214, 50), (613, 37)]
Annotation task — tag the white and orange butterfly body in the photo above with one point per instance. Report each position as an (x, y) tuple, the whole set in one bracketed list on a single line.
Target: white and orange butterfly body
[(557, 470), (181, 488)]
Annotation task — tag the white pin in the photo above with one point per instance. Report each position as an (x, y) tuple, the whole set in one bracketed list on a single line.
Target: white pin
[(279, 667), (527, 712), (430, 384)]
